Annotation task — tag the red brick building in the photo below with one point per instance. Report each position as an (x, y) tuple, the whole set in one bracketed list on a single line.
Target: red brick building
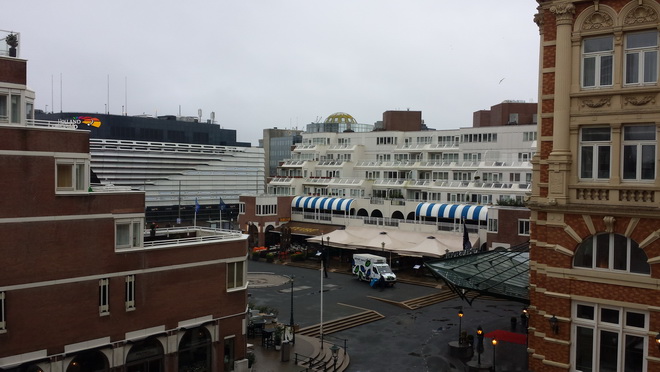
[(402, 120), (506, 113), (83, 285), (594, 283)]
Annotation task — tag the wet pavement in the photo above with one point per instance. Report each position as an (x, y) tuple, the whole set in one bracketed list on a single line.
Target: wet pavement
[(404, 340)]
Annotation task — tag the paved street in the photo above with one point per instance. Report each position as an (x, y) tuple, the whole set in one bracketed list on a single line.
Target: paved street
[(405, 340)]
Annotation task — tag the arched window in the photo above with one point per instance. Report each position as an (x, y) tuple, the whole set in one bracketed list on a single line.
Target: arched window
[(195, 351), (611, 252), (89, 361), (145, 356)]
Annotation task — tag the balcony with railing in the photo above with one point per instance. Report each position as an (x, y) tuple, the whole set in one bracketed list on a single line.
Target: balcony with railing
[(178, 237), (344, 147)]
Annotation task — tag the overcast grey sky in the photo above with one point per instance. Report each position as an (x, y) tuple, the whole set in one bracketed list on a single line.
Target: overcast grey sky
[(278, 63)]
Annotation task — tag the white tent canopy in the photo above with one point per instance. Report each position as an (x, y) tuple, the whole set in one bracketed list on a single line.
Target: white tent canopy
[(404, 243)]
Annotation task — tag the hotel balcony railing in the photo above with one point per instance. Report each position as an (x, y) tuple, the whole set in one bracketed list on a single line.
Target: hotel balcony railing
[(330, 162), (293, 163), (347, 147), (300, 147), (637, 196), (64, 125), (194, 235), (97, 187)]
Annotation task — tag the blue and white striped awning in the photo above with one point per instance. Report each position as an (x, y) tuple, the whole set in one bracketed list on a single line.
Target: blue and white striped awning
[(319, 202), (465, 212)]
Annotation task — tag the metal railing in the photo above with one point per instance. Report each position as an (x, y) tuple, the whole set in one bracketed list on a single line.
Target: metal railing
[(194, 235)]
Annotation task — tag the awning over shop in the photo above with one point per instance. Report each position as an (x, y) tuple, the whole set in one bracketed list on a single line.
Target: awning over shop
[(403, 243), (320, 202), (503, 274), (455, 211)]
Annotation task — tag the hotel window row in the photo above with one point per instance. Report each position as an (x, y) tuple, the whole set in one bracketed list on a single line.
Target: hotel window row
[(386, 140), (640, 60), (638, 153), (480, 137), (266, 209)]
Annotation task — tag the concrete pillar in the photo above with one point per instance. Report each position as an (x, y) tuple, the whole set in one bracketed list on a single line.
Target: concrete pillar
[(561, 119), (559, 160)]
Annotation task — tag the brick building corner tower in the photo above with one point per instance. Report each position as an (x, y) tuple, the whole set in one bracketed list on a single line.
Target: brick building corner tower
[(595, 304)]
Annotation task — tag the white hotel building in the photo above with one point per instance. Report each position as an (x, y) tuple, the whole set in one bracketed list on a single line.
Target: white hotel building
[(424, 180)]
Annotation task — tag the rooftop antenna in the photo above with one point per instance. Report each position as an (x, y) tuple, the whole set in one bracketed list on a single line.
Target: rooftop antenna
[(125, 95), (52, 95), (107, 107), (60, 92)]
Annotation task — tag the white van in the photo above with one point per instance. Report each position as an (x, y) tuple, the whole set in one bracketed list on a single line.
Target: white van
[(369, 267)]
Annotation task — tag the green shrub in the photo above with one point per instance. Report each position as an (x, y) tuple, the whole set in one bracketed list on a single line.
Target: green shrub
[(298, 256), (270, 257)]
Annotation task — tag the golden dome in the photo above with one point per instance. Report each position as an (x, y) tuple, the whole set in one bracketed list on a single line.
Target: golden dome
[(340, 118)]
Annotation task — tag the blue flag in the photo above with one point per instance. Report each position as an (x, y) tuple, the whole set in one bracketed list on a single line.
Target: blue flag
[(196, 206), (223, 206)]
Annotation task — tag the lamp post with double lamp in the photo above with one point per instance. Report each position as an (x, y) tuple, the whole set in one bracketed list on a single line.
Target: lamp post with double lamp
[(494, 341)]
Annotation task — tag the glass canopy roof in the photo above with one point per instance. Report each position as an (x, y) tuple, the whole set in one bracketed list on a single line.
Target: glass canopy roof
[(503, 274)]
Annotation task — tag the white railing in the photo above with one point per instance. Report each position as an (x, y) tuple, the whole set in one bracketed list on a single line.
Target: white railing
[(200, 235), (96, 187)]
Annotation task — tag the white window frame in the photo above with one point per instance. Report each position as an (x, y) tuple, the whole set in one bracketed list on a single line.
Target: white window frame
[(135, 233), (598, 57), (15, 110), (4, 108), (3, 318), (236, 282), (529, 136), (513, 118), (104, 296), (493, 225), (523, 227), (605, 258), (639, 145), (77, 176), (641, 53), (595, 145), (597, 325), (130, 293)]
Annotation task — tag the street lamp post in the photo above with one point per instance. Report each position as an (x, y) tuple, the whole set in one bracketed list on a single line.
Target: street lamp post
[(480, 344), (293, 331), (494, 341), (460, 320), (335, 350)]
